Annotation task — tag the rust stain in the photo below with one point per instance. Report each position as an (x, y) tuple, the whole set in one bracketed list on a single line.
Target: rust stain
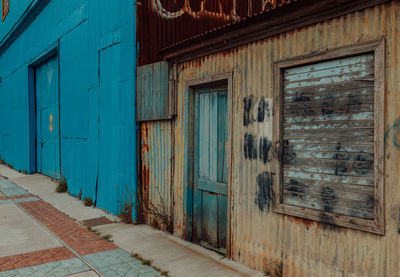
[(144, 132), (145, 147), (186, 8), (298, 220), (162, 23), (329, 227), (145, 189), (305, 251)]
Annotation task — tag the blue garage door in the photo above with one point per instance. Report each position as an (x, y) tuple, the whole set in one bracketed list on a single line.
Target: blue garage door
[(47, 118)]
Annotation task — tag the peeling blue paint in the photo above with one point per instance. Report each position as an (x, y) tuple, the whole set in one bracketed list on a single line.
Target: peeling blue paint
[(97, 116), (394, 130)]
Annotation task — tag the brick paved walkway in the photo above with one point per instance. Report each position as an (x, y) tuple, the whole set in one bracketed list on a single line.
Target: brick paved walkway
[(81, 250)]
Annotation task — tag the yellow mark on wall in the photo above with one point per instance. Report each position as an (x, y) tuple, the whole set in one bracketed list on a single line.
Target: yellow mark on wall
[(51, 123), (5, 7)]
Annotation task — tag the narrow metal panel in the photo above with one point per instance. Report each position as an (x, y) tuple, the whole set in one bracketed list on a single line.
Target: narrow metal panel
[(47, 119), (156, 159), (115, 183), (153, 93)]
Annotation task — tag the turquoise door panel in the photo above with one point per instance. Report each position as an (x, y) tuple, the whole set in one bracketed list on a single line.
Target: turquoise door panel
[(47, 119), (211, 176)]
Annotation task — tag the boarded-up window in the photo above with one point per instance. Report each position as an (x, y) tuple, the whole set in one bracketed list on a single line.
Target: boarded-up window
[(331, 147), (5, 7)]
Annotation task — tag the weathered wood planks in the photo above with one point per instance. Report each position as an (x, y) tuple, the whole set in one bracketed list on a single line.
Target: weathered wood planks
[(325, 106)]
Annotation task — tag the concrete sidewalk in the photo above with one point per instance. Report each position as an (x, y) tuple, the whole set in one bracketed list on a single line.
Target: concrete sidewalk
[(39, 240), (31, 219)]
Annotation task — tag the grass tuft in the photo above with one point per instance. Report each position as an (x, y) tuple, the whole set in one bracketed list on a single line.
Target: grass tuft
[(273, 269), (94, 231), (126, 212), (106, 237), (149, 262), (62, 185), (88, 201)]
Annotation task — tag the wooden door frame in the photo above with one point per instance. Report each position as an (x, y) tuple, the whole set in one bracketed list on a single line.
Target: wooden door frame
[(189, 153), (52, 51)]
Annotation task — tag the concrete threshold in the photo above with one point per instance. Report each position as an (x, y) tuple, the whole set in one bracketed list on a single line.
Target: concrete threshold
[(165, 251)]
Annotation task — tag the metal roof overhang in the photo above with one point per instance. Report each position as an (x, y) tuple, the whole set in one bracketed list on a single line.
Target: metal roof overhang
[(271, 22)]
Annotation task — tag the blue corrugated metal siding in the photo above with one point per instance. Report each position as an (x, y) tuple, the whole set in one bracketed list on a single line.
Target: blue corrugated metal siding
[(95, 122)]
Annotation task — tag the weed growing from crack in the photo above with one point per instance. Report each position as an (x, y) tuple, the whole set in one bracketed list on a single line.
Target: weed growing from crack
[(140, 258), (106, 237), (149, 262), (97, 232), (135, 255), (94, 231), (161, 212), (62, 185), (126, 212), (273, 268), (88, 201)]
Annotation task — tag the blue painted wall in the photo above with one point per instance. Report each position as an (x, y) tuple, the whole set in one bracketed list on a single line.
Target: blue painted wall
[(17, 8), (95, 40)]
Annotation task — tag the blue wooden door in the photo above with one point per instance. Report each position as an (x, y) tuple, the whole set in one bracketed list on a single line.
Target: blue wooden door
[(47, 118), (211, 174)]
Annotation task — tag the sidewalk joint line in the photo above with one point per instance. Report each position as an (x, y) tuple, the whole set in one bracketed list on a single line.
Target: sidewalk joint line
[(56, 237)]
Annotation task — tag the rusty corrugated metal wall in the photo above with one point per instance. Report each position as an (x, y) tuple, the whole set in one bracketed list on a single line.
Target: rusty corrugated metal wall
[(258, 235), (156, 162), (162, 23)]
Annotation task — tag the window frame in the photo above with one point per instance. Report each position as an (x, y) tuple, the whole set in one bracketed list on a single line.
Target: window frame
[(377, 224), (3, 11)]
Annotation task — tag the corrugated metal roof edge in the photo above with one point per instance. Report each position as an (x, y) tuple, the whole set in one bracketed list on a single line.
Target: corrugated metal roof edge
[(233, 23), (288, 16)]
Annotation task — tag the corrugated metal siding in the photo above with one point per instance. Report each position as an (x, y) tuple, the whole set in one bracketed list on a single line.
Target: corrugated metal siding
[(97, 117), (156, 162), (166, 22), (260, 236)]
